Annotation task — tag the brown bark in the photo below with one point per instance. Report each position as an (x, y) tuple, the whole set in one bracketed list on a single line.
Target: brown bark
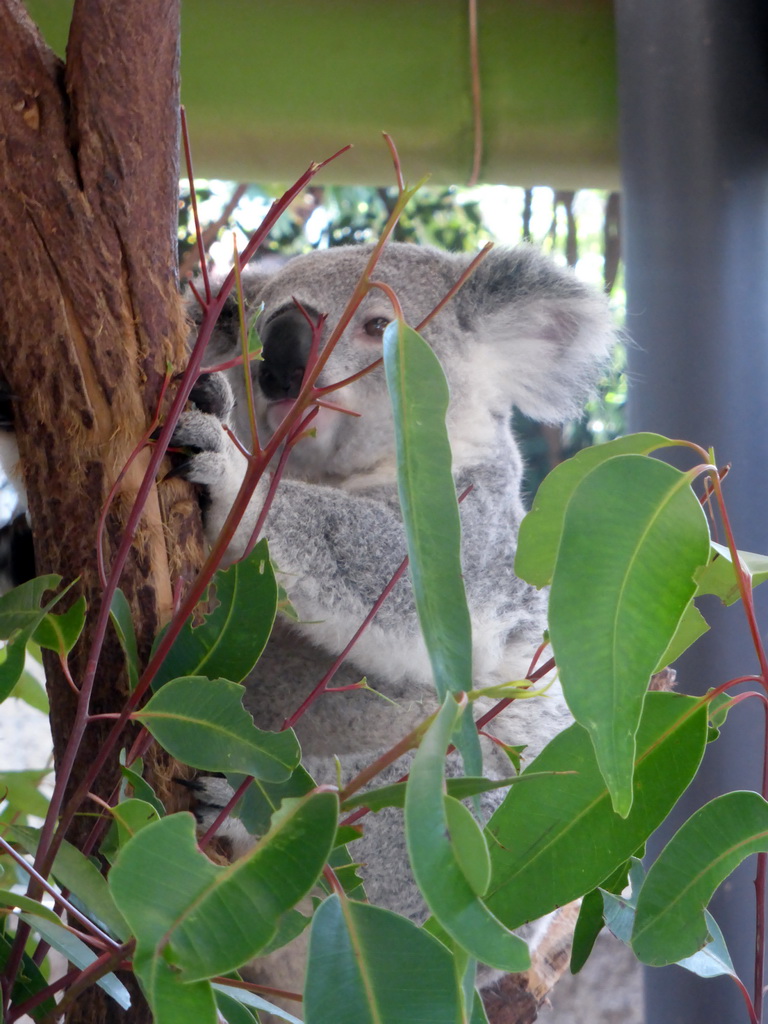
[(90, 318)]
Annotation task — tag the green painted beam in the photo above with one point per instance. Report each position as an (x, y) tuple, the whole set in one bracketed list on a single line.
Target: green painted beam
[(271, 84)]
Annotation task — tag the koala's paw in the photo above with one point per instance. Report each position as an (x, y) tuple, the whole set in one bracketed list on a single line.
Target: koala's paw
[(212, 393), (211, 795), (200, 449), (204, 452)]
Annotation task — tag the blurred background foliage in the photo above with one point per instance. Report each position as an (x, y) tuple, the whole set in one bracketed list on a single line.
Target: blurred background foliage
[(579, 228)]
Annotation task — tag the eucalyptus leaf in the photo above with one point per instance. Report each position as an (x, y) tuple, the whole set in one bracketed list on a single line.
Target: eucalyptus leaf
[(122, 620), (75, 872), (436, 863), (419, 395), (60, 633), (691, 626), (557, 837), (589, 924), (370, 966), (670, 923), (128, 818), (247, 998), (713, 960), (30, 980), (141, 789), (161, 877), (29, 689), (718, 576), (468, 845), (633, 536), (203, 723), (21, 612), (261, 799), (174, 1000), (590, 920), (541, 530), (460, 788), (21, 608), (15, 901), (229, 639), (76, 951), (232, 1011), (21, 790)]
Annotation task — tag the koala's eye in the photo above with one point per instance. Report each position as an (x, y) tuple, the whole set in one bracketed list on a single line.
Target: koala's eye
[(375, 328)]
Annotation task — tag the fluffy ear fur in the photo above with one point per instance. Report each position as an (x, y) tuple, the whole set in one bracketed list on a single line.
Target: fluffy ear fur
[(547, 334)]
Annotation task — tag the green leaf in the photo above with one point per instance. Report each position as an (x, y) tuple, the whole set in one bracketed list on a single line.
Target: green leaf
[(670, 923), (173, 1000), (232, 1011), (204, 724), (16, 900), (76, 951), (29, 981), (12, 659), (394, 794), (261, 799), (590, 920), (209, 919), (468, 845), (289, 927), (419, 395), (540, 531), (129, 817), (20, 615), (620, 912), (21, 791), (21, 608), (74, 871), (229, 640), (436, 863), (122, 620), (633, 536), (141, 789), (691, 626), (369, 966), (242, 995), (589, 924), (60, 633), (718, 576), (714, 959), (557, 837), (32, 692), (479, 1015)]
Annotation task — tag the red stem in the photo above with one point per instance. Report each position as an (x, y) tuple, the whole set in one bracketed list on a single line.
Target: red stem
[(193, 201), (745, 589)]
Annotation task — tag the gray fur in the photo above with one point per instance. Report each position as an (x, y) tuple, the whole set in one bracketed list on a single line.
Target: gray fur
[(520, 332)]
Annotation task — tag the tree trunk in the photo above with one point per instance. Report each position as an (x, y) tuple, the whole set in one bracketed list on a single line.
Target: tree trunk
[(89, 321)]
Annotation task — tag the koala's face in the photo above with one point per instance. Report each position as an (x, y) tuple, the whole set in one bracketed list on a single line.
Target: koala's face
[(520, 331), (322, 283)]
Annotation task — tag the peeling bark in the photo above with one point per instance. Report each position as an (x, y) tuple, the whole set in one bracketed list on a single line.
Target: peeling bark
[(90, 319)]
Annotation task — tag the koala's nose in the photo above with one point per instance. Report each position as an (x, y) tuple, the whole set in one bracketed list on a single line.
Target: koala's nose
[(286, 343)]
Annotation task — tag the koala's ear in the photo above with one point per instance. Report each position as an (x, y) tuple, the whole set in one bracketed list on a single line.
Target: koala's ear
[(543, 334), (226, 334)]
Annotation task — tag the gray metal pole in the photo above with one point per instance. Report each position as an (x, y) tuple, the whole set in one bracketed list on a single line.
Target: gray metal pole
[(693, 81)]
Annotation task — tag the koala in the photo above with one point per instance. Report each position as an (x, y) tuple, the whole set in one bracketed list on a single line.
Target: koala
[(520, 332)]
